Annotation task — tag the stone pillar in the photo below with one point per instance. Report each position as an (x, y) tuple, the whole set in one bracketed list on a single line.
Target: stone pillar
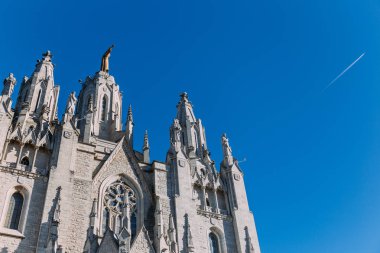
[(19, 155), (203, 198), (216, 201), (34, 159)]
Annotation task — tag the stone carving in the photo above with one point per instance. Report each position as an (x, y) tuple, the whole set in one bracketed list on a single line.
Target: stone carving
[(122, 185), (227, 151), (71, 102), (117, 194), (67, 134), (175, 131)]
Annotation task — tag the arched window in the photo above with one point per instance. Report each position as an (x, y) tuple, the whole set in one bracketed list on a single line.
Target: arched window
[(104, 108), (213, 243), (25, 161), (12, 219), (119, 199), (208, 202)]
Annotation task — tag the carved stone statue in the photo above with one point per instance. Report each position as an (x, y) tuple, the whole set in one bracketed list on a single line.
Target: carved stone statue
[(105, 60), (71, 102), (227, 151), (176, 131)]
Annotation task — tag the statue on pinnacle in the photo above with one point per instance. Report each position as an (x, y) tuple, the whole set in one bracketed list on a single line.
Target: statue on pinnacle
[(105, 60)]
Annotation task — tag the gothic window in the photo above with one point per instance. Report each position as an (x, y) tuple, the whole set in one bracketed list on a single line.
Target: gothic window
[(213, 243), (106, 219), (221, 200), (38, 100), (133, 225), (119, 201), (12, 219), (104, 107), (25, 161)]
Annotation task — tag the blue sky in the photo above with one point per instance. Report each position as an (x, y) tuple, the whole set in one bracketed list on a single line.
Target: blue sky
[(254, 69)]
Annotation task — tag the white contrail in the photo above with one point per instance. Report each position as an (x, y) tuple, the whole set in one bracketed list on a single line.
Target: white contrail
[(343, 72)]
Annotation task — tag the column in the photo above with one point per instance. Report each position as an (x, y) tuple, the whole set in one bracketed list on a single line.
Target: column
[(34, 159), (216, 201), (19, 155), (4, 151), (203, 197)]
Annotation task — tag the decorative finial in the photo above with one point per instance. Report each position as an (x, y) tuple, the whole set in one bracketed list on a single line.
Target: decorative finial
[(184, 96), (47, 56), (146, 140), (130, 116)]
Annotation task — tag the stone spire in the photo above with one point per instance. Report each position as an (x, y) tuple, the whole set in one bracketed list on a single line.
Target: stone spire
[(55, 220), (146, 148), (190, 245), (158, 218), (38, 95), (172, 234), (93, 212), (129, 127), (193, 135), (227, 152)]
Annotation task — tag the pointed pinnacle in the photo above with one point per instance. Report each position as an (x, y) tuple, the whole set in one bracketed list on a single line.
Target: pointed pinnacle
[(146, 140), (130, 116)]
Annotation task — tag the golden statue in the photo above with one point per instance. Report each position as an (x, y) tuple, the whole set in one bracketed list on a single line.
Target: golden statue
[(105, 59)]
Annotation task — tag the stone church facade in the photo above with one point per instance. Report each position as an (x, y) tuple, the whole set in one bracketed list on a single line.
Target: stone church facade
[(77, 184)]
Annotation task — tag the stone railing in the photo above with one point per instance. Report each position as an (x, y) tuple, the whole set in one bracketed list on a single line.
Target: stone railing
[(217, 213)]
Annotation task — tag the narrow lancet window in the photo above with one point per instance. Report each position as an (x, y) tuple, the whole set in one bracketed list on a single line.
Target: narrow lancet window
[(213, 242), (16, 202), (106, 220), (38, 101), (133, 225), (104, 107)]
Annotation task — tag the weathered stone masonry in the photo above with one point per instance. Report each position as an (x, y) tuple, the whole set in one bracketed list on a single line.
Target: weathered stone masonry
[(77, 184)]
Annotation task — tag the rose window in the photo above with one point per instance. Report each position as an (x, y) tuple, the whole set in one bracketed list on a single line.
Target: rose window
[(115, 196), (118, 195)]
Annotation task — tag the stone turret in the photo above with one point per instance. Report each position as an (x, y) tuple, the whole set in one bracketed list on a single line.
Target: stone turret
[(99, 108), (237, 196)]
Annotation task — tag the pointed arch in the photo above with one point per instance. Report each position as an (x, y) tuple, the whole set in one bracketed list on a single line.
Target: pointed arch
[(15, 209), (137, 213), (216, 239), (13, 217), (213, 243)]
